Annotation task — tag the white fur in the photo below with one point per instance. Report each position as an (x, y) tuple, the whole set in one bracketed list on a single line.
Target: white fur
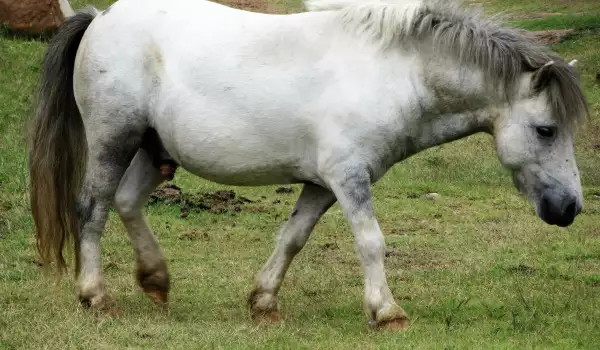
[(332, 5), (242, 98), (327, 5)]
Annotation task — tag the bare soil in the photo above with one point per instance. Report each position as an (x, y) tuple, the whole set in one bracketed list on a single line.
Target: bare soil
[(221, 201), (250, 5), (548, 37)]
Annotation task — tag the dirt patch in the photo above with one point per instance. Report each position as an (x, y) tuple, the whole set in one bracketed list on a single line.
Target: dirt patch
[(535, 15), (250, 5), (329, 246), (548, 37), (194, 235), (111, 266), (264, 6), (522, 269), (281, 190), (216, 202), (259, 209), (391, 252), (169, 194)]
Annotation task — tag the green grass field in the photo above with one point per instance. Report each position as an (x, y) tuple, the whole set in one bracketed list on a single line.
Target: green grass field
[(475, 269)]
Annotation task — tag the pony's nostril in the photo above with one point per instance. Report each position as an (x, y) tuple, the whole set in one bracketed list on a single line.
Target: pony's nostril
[(571, 210), (546, 204), (558, 210)]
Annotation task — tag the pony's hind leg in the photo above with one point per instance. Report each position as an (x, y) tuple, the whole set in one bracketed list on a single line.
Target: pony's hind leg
[(312, 204), (108, 158), (141, 178)]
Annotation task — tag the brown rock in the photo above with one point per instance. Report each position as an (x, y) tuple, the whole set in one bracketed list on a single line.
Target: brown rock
[(34, 16)]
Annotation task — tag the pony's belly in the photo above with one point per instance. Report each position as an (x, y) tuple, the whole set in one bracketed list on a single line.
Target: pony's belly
[(238, 166), (242, 174), (233, 148)]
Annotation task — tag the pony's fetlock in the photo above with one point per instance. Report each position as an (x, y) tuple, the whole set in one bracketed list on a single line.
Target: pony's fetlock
[(155, 282)]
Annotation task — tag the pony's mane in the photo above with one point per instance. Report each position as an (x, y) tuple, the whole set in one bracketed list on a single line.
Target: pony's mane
[(502, 53)]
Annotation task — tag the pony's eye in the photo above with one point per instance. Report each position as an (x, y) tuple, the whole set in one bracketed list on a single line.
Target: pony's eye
[(546, 132)]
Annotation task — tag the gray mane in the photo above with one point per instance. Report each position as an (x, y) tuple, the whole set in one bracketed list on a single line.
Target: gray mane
[(503, 54)]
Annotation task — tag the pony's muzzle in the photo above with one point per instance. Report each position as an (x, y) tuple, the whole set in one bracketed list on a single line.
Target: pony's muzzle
[(559, 210)]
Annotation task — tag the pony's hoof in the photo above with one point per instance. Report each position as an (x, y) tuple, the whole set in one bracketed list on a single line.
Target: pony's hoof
[(266, 317), (97, 302), (102, 306), (160, 298), (154, 282), (263, 307), (396, 325)]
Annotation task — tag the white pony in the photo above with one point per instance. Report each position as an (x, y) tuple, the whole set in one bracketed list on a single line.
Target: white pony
[(331, 99)]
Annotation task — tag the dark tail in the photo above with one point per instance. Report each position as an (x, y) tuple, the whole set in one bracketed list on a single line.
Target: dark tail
[(58, 147)]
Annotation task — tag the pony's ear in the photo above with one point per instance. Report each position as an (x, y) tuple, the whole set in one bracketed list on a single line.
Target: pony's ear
[(541, 77)]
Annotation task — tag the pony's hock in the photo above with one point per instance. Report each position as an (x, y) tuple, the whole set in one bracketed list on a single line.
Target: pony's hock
[(34, 16), (332, 102)]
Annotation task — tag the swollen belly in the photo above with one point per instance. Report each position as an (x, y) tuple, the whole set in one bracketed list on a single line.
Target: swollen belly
[(241, 169), (239, 151)]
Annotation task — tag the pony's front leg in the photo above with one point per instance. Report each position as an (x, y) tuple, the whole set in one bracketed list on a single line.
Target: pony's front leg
[(311, 205), (353, 191)]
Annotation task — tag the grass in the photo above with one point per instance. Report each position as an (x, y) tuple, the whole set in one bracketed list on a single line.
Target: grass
[(475, 269), (538, 8)]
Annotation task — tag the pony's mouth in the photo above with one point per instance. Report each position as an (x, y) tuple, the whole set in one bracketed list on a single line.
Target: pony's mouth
[(553, 207), (558, 210)]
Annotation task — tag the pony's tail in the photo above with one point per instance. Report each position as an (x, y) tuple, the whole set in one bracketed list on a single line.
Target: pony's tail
[(58, 146)]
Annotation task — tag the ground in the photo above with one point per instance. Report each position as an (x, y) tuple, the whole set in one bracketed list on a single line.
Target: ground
[(474, 268)]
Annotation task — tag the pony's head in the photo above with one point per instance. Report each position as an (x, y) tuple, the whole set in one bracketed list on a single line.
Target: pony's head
[(540, 96), (534, 138)]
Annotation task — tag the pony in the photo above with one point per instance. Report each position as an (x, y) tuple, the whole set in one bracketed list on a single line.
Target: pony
[(330, 98)]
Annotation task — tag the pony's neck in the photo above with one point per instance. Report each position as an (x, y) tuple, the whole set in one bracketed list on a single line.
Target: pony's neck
[(450, 127), (459, 105)]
